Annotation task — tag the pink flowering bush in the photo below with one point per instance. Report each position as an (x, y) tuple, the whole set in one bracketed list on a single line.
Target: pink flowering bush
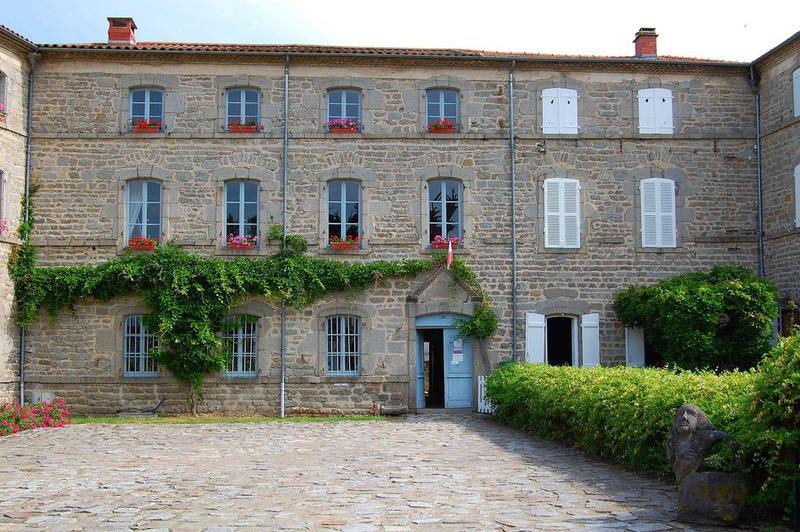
[(14, 418)]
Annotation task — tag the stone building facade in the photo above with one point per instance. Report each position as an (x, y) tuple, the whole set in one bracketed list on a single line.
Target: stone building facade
[(84, 158)]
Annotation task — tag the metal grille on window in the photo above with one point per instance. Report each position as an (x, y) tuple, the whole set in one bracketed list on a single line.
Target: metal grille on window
[(344, 345), (242, 106), (144, 209), (241, 340), (241, 208), (147, 104), (444, 213), (344, 104), (442, 104), (138, 348), (344, 206)]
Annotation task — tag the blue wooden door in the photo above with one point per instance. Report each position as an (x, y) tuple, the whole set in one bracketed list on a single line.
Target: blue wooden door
[(420, 372), (457, 370)]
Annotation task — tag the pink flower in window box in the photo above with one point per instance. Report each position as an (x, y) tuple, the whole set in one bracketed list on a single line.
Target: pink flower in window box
[(242, 242), (440, 242)]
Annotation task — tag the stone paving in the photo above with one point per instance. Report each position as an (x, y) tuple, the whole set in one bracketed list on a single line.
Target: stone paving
[(426, 472)]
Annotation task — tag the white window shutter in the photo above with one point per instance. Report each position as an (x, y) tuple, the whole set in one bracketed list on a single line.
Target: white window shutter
[(666, 207), (571, 217), (663, 110), (647, 111), (649, 215), (552, 213), (634, 347), (550, 105), (568, 111), (796, 89), (534, 338), (590, 339), (797, 194)]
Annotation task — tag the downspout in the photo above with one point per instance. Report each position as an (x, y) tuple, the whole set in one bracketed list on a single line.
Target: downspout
[(754, 85), (513, 149), (32, 57), (284, 220)]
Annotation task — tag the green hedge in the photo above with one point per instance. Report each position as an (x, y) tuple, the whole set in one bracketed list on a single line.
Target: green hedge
[(625, 414)]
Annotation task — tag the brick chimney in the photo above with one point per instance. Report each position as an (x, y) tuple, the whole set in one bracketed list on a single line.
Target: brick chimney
[(121, 30), (645, 43)]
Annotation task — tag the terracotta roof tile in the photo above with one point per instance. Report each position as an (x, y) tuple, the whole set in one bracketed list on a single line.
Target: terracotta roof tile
[(17, 36)]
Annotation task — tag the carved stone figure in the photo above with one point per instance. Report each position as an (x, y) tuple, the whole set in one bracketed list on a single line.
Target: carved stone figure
[(704, 496)]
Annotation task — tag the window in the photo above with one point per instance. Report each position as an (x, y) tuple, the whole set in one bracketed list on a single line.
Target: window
[(3, 83), (658, 213), (139, 346), (144, 209), (241, 208), (344, 104), (655, 111), (562, 213), (796, 89), (242, 106), (797, 196), (344, 345), (241, 341), (560, 111), (442, 104), (344, 209), (444, 212), (147, 105)]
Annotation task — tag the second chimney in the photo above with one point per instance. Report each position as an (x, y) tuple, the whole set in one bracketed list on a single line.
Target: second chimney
[(121, 30), (645, 43)]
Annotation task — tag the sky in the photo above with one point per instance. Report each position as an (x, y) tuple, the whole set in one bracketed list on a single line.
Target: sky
[(731, 30)]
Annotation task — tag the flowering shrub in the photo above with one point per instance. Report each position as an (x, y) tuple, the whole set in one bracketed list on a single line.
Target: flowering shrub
[(343, 123), (348, 243), (439, 242), (242, 241), (5, 229), (442, 123), (14, 418), (146, 124), (142, 243)]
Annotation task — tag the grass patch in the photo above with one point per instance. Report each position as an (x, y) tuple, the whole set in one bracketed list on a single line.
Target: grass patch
[(212, 420)]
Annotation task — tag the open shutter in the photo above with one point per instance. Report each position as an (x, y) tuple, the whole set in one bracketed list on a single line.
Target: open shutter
[(797, 194), (572, 218), (663, 110), (552, 213), (634, 347), (568, 111), (550, 105), (590, 339), (666, 208), (534, 338), (649, 215), (647, 111)]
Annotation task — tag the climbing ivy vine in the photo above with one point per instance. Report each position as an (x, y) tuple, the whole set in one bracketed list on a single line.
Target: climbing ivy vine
[(190, 296)]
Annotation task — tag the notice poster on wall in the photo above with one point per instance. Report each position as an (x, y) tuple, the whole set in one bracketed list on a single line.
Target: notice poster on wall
[(458, 351)]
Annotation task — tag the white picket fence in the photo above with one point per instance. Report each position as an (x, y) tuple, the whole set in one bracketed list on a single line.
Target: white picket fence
[(484, 407)]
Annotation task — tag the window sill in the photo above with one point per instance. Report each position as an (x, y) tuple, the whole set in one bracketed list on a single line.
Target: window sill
[(640, 249), (238, 378), (339, 379), (8, 239), (561, 251), (329, 251), (354, 135), (156, 135), (463, 250), (141, 375)]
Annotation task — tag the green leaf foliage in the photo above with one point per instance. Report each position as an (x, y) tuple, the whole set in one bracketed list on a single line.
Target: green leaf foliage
[(625, 414), (718, 320)]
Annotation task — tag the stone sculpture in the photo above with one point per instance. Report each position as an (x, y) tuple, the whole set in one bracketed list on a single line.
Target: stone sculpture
[(705, 496)]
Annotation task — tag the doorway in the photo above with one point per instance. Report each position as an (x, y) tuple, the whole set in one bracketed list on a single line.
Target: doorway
[(443, 363), (433, 366), (562, 341)]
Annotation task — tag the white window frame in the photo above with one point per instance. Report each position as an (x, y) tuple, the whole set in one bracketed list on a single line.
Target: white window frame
[(242, 102), (659, 214), (440, 91), (340, 358), (242, 345), (141, 357), (145, 201), (148, 91), (562, 182), (650, 97), (3, 89), (241, 204), (796, 91), (443, 206), (797, 196), (342, 206), (559, 95), (346, 94)]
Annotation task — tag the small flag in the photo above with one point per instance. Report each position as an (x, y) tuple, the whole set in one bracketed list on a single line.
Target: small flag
[(449, 253)]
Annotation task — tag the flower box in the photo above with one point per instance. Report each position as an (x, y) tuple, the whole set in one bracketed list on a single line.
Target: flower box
[(241, 245), (140, 243), (339, 126), (3, 112), (443, 130), (242, 128), (443, 243), (239, 242), (146, 129), (342, 246), (343, 130)]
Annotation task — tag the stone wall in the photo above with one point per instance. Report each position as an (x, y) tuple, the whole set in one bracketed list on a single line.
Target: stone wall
[(781, 155), (83, 157)]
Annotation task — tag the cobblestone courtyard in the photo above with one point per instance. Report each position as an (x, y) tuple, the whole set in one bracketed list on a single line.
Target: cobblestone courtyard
[(425, 472)]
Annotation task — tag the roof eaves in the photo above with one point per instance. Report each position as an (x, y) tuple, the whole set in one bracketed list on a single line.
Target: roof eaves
[(18, 38), (785, 44)]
